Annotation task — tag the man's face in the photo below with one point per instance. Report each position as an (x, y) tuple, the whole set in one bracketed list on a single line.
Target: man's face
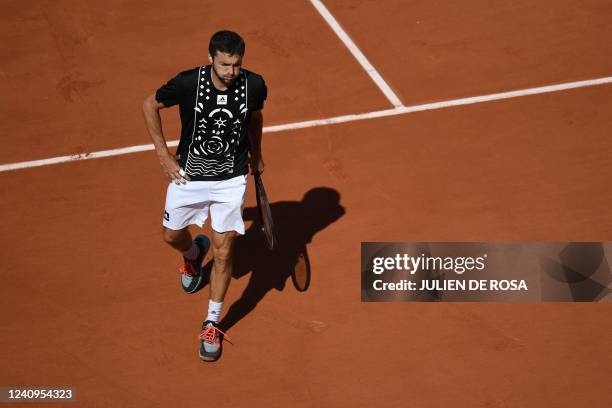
[(226, 67)]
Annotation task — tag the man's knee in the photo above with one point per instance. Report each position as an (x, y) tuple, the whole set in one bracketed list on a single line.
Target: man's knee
[(172, 236), (223, 254), (223, 246)]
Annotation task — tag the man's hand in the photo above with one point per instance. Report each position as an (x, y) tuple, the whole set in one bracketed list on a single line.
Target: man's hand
[(170, 166)]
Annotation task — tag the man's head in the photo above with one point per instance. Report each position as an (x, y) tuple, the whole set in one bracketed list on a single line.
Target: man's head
[(227, 42), (225, 52)]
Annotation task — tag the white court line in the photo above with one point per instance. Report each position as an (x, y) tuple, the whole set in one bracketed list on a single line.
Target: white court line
[(378, 80), (440, 105), (329, 121)]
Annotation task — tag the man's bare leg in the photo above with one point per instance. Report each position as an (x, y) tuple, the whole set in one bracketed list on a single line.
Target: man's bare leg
[(223, 250), (220, 277)]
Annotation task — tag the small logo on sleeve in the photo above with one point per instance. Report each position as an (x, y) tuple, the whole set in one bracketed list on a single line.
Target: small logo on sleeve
[(166, 216), (221, 99)]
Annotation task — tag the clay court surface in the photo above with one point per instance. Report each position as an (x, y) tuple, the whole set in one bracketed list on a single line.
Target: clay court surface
[(89, 293)]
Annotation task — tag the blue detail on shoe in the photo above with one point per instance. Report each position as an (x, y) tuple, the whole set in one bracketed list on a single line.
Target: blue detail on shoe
[(192, 283)]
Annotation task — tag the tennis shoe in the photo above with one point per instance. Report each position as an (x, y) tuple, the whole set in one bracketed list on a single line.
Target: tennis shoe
[(191, 271), (211, 341)]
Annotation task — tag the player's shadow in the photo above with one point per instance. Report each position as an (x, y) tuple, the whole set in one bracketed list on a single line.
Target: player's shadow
[(296, 223)]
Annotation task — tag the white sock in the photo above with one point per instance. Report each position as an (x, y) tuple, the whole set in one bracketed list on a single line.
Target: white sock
[(193, 252), (214, 311)]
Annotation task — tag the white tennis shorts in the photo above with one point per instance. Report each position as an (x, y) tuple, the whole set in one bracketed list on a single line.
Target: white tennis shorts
[(189, 204)]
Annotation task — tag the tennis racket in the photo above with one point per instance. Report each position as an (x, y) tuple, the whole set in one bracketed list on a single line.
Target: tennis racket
[(265, 213)]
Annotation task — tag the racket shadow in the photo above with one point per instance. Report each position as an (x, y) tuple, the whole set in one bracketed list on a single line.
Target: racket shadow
[(296, 224)]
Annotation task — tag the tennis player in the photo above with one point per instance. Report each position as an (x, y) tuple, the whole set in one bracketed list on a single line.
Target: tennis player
[(220, 109)]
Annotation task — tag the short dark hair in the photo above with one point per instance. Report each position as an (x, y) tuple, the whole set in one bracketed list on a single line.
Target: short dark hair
[(226, 41)]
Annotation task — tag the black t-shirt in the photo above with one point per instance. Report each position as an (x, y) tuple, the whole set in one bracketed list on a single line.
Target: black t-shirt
[(214, 142)]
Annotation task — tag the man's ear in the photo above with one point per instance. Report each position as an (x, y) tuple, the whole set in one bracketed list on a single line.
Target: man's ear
[(210, 58)]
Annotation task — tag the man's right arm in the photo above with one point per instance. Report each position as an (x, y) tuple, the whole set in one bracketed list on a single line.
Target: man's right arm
[(150, 109)]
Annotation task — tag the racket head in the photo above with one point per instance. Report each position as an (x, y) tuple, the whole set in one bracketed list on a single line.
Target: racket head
[(265, 212), (301, 272)]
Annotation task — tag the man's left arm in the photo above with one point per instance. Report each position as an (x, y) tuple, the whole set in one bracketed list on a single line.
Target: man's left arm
[(255, 133)]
